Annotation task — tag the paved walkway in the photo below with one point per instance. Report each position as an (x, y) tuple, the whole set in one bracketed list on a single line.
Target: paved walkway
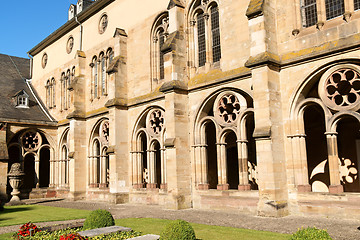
[(339, 229)]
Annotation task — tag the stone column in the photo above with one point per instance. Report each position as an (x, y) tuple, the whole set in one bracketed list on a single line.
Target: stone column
[(243, 165), (151, 169), (208, 41), (163, 168), (300, 163), (37, 171), (333, 158), (222, 167), (103, 183), (140, 169)]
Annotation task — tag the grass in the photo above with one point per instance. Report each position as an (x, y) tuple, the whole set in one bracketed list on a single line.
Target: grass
[(204, 232), (36, 213)]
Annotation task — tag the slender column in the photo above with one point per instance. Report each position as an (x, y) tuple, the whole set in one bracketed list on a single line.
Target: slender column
[(243, 165), (63, 172), (300, 163), (103, 172), (91, 171), (204, 158), (37, 172), (140, 169), (151, 169), (163, 168), (222, 168), (192, 51), (56, 173), (134, 172), (52, 172), (334, 171), (96, 167), (67, 172)]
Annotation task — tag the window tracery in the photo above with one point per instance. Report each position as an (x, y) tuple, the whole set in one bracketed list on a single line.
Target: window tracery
[(159, 34), (31, 140), (206, 40)]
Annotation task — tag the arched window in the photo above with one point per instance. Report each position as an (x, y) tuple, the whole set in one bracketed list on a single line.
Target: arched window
[(63, 89), (326, 131), (224, 144), (158, 35), (94, 66), (103, 73), (48, 93), (309, 13), (149, 165), (334, 8), (215, 33), (109, 56), (99, 165), (52, 93), (205, 33), (67, 92)]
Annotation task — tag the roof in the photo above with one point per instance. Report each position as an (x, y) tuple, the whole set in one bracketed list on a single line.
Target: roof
[(12, 81)]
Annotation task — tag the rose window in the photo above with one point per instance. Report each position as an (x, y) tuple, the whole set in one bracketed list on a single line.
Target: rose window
[(105, 132), (229, 108), (342, 89), (156, 121), (31, 141)]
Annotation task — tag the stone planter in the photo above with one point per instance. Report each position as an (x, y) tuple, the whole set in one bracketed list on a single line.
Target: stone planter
[(15, 178)]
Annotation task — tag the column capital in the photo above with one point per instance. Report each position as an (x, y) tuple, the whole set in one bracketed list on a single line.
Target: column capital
[(330, 133)]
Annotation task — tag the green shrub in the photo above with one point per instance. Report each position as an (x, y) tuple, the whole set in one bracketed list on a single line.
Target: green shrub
[(310, 234), (178, 230), (98, 219)]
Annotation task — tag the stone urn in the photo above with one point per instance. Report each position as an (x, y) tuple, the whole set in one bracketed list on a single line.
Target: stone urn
[(15, 178)]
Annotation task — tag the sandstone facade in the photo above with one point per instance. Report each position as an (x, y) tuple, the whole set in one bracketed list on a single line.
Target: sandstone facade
[(220, 104)]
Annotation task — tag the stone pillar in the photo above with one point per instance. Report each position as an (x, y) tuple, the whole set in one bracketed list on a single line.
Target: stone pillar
[(103, 183), (269, 130), (222, 167), (140, 169), (300, 163), (152, 169), (163, 168), (177, 145), (333, 158), (243, 165), (37, 171)]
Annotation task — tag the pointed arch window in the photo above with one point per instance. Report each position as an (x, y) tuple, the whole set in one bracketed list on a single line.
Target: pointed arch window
[(48, 93), (215, 31), (103, 73), (109, 56), (205, 33), (158, 35), (62, 91), (94, 87), (52, 93)]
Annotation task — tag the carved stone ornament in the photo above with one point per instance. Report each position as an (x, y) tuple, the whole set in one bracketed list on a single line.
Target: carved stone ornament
[(155, 122), (104, 132), (15, 176), (31, 140), (69, 44), (44, 60), (227, 108), (103, 23), (339, 88)]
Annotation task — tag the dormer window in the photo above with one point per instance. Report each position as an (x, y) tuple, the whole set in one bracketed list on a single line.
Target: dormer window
[(22, 99), (72, 11)]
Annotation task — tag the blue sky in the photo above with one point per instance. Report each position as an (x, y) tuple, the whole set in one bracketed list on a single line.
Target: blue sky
[(26, 23)]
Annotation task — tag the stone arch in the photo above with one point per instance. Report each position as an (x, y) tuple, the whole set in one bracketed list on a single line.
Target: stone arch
[(98, 159), (148, 163), (230, 142), (309, 100)]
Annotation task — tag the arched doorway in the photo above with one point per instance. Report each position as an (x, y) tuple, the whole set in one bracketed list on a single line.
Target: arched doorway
[(44, 175), (30, 178)]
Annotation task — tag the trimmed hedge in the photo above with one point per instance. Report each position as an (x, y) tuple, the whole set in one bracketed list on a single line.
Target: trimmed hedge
[(98, 219), (310, 234), (178, 230)]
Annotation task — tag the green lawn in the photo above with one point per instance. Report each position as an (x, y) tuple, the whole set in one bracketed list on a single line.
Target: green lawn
[(36, 213), (204, 232)]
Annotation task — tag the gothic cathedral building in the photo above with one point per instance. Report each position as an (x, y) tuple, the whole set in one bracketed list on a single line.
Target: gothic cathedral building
[(210, 104)]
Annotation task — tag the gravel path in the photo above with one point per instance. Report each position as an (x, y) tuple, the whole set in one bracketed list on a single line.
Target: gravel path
[(339, 229)]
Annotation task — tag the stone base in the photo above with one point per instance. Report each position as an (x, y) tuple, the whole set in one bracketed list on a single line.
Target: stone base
[(163, 186), (103, 185), (93, 185), (138, 186), (335, 189), (203, 186), (245, 187), (223, 187), (151, 185), (304, 188)]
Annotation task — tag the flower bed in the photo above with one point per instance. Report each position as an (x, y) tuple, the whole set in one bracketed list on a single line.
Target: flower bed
[(67, 234)]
